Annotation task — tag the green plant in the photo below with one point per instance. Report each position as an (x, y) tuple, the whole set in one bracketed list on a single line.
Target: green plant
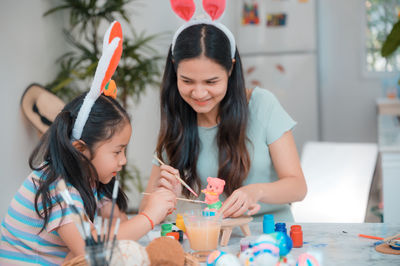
[(380, 17), (392, 42), (138, 67)]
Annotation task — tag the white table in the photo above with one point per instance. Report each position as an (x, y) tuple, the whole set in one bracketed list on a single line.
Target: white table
[(338, 242), (339, 177)]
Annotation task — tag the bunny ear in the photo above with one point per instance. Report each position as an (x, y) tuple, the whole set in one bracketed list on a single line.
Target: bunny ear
[(214, 8), (108, 62), (113, 32), (183, 8)]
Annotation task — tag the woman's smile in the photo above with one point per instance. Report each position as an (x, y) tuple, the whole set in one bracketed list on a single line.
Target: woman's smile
[(201, 102)]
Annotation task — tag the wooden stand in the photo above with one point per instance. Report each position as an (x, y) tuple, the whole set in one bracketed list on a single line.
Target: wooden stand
[(229, 223), (386, 249)]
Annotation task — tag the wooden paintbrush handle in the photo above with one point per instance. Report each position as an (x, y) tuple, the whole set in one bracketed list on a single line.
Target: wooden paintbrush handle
[(179, 179), (183, 199), (391, 237)]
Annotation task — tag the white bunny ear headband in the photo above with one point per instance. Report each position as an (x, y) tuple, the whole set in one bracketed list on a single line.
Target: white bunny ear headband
[(111, 54), (214, 8)]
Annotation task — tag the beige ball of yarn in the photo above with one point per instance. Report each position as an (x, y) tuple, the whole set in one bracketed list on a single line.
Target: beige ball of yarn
[(129, 252), (126, 252)]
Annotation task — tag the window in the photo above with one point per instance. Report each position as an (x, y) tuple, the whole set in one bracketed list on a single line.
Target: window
[(380, 17)]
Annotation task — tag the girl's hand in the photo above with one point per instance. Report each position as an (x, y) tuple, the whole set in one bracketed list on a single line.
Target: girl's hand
[(105, 212), (168, 179), (159, 204), (241, 200)]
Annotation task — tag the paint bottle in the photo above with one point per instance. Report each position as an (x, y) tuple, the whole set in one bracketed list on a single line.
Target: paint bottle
[(180, 223), (268, 223), (296, 234), (166, 228), (174, 234), (246, 242), (280, 227), (208, 213), (180, 232)]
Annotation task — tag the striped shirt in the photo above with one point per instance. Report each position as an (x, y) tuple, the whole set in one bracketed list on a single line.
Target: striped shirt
[(21, 243)]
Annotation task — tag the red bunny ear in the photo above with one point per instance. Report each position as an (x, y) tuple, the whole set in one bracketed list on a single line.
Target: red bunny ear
[(214, 8), (116, 31), (183, 8)]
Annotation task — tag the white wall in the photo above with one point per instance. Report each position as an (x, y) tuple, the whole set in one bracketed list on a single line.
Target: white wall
[(347, 97), (28, 48)]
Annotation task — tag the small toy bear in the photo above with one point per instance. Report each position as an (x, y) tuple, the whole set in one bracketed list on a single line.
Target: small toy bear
[(215, 187)]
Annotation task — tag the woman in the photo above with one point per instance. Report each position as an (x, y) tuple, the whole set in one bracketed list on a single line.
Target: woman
[(212, 126)]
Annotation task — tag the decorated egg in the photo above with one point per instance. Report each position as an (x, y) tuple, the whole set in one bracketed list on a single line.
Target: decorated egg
[(220, 258)]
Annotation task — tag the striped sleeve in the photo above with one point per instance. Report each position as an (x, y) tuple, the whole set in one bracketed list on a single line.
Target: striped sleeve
[(63, 214)]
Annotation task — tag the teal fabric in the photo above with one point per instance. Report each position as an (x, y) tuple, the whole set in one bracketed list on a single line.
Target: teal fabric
[(268, 121)]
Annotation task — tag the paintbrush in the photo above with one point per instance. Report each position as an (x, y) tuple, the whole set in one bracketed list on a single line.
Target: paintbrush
[(97, 225), (62, 189), (179, 179), (114, 199), (89, 241), (183, 199), (105, 225), (116, 228), (387, 239)]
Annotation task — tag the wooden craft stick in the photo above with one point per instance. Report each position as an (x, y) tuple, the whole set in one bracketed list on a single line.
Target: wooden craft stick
[(183, 199), (179, 179), (391, 237)]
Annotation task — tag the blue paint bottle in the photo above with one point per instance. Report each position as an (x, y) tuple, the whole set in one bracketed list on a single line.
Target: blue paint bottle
[(268, 224), (280, 227)]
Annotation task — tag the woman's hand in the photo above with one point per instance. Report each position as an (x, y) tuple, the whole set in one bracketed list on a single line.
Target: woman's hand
[(159, 204), (241, 200), (168, 179)]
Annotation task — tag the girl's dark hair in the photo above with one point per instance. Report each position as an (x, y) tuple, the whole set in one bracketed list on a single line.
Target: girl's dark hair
[(62, 160), (178, 135)]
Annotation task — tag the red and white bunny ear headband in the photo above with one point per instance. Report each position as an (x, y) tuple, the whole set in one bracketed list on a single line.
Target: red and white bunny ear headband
[(111, 54), (214, 8)]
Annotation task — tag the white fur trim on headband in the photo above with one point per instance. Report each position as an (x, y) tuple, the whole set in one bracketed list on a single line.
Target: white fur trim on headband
[(220, 26), (95, 91)]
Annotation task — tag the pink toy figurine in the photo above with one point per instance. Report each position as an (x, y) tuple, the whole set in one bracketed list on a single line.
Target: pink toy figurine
[(215, 186)]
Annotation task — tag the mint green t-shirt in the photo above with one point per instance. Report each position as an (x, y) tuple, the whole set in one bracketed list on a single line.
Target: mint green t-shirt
[(268, 121)]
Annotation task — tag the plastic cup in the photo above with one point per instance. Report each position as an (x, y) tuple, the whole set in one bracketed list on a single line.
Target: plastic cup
[(203, 232), (120, 252), (99, 254)]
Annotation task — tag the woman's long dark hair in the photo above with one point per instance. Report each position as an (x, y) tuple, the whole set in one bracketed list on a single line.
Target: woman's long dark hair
[(62, 160), (178, 135)]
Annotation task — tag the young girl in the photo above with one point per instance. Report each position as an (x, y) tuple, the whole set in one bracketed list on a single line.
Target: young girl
[(87, 154), (211, 125)]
